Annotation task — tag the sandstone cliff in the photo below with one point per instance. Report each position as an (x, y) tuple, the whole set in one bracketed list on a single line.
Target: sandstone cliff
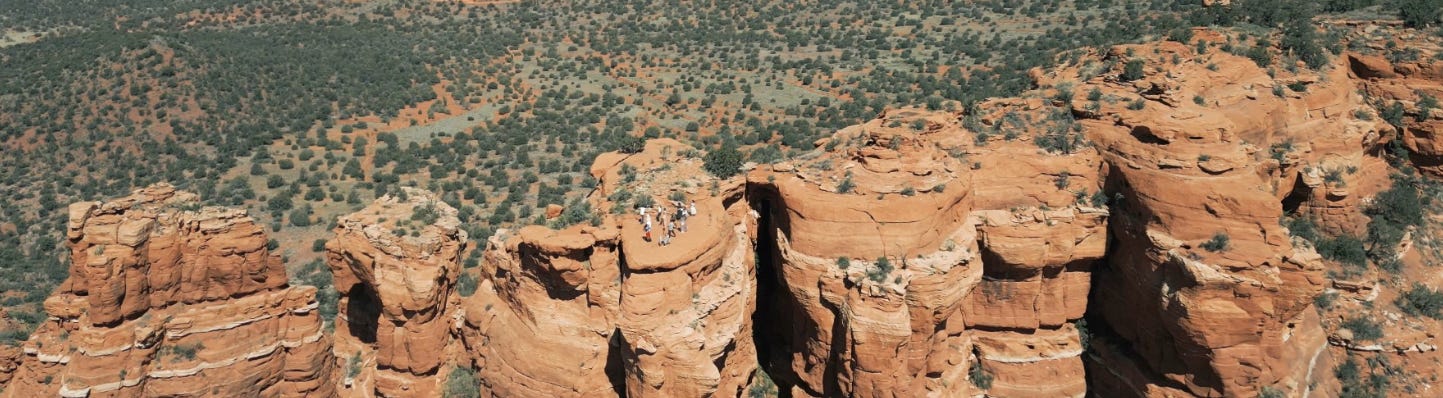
[(596, 310), (396, 263), (1117, 231), (169, 299)]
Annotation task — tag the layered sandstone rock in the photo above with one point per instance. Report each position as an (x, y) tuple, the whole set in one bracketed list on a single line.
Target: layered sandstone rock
[(1204, 288), (169, 299), (918, 254), (903, 266), (395, 264), (596, 310), (1414, 87)]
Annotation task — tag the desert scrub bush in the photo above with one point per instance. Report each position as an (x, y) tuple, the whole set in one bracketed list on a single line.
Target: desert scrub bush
[(1364, 328), (980, 377), (1132, 70), (846, 185), (880, 272), (1393, 211), (723, 162), (462, 383), (1421, 301), (1219, 242), (426, 214), (843, 262), (1062, 180)]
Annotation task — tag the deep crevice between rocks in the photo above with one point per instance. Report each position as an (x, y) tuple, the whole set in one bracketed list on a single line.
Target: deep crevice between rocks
[(767, 326)]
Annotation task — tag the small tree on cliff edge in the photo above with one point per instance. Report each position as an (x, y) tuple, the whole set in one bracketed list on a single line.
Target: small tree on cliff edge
[(724, 162)]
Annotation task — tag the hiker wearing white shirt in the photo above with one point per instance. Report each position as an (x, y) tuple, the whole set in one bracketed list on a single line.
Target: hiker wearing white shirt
[(692, 210)]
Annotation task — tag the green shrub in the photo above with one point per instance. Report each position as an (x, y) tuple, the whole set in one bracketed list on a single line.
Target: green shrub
[(353, 366), (724, 162), (1375, 385), (466, 284), (1219, 242), (846, 185), (1419, 13), (462, 383), (1325, 300), (1393, 212), (1133, 70), (1421, 301), (1345, 249), (980, 377), (630, 144), (1364, 328), (843, 262), (763, 386), (426, 214), (880, 272)]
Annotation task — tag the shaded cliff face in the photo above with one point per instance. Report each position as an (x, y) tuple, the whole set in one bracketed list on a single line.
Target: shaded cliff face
[(1204, 289), (395, 265), (169, 299)]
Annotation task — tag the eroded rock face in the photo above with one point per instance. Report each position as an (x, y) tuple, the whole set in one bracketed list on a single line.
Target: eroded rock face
[(396, 263), (1204, 288), (918, 254), (903, 267), (1415, 87), (169, 299), (596, 310)]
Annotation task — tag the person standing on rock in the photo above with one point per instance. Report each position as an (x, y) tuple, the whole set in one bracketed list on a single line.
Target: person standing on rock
[(681, 215), (693, 208), (646, 223)]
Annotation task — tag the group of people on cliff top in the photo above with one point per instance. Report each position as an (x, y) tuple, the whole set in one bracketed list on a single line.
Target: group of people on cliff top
[(673, 222)]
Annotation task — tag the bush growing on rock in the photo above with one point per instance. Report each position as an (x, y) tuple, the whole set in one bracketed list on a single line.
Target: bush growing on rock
[(846, 185), (1393, 212), (1364, 328), (724, 162), (1345, 249), (1219, 242), (1132, 70), (880, 272), (980, 377), (1421, 301), (462, 383), (466, 284)]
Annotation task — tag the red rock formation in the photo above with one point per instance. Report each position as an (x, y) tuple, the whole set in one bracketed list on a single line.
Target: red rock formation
[(959, 224), (918, 254), (168, 299), (1416, 87), (1195, 317), (596, 310), (542, 322), (395, 265)]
